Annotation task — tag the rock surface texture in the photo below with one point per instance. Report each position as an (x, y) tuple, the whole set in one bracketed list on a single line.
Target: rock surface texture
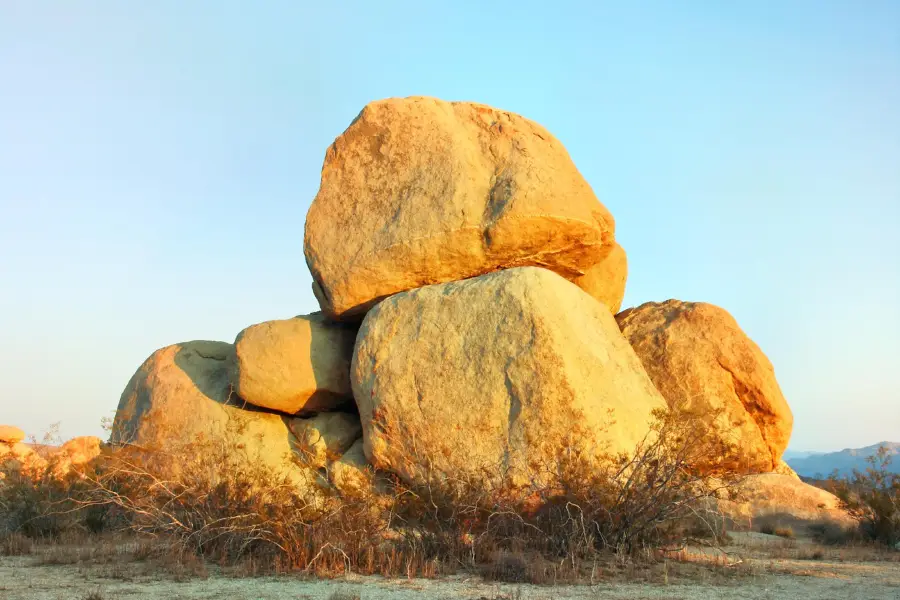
[(325, 437), (180, 401), (782, 499), (350, 474), (499, 373), (420, 191), (698, 357), (605, 281), (299, 365)]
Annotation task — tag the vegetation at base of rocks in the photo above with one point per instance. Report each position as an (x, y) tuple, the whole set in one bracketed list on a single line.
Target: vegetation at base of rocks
[(872, 497), (833, 534), (780, 531), (199, 502)]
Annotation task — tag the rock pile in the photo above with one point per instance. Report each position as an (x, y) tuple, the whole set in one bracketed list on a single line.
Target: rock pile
[(467, 276), (34, 459)]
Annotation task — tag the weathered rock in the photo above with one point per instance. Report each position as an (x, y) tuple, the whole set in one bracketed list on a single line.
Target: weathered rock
[(699, 358), (782, 468), (75, 452), (499, 373), (10, 434), (180, 402), (605, 281), (351, 473), (785, 499), (325, 437), (420, 191), (298, 365)]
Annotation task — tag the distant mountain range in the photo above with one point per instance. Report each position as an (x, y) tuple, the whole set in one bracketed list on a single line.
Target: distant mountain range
[(823, 464)]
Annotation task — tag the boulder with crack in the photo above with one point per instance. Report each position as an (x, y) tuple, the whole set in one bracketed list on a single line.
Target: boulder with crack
[(495, 379)]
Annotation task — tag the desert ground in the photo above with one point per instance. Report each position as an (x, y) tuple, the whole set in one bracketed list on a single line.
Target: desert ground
[(753, 566)]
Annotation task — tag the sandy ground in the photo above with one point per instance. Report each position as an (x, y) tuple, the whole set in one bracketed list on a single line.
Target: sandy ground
[(25, 578)]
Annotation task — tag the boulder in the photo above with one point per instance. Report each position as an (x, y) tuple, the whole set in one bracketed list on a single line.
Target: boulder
[(351, 474), (325, 437), (700, 359), (10, 434), (298, 365), (499, 374), (75, 452), (782, 499), (783, 468), (419, 191), (180, 404), (605, 281)]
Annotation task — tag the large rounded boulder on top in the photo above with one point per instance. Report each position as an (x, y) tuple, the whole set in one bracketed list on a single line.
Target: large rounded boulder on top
[(419, 191), (700, 359), (496, 374), (180, 403), (299, 365)]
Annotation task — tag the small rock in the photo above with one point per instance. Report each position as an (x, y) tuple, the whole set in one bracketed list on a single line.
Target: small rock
[(326, 436), (295, 365), (10, 434)]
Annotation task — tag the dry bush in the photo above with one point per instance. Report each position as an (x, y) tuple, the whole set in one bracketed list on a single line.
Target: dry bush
[(872, 497), (212, 502), (832, 534), (15, 544), (204, 498), (785, 532), (39, 503)]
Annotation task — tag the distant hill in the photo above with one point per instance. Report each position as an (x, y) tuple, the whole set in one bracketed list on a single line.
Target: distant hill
[(792, 454), (814, 464)]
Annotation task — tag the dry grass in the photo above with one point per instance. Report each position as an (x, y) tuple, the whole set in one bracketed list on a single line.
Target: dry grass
[(15, 544), (343, 595), (785, 532), (855, 552), (590, 521)]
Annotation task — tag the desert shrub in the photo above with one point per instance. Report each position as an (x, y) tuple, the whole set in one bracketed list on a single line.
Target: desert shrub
[(41, 502), (872, 497), (665, 493), (204, 498), (832, 534), (211, 501), (15, 544), (785, 532)]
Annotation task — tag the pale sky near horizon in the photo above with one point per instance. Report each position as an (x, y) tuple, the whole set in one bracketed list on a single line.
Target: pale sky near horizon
[(157, 160)]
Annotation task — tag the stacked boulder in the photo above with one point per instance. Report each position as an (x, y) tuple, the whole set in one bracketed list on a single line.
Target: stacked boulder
[(185, 399), (469, 281)]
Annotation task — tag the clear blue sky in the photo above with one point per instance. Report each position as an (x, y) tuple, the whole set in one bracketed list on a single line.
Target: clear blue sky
[(157, 160)]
